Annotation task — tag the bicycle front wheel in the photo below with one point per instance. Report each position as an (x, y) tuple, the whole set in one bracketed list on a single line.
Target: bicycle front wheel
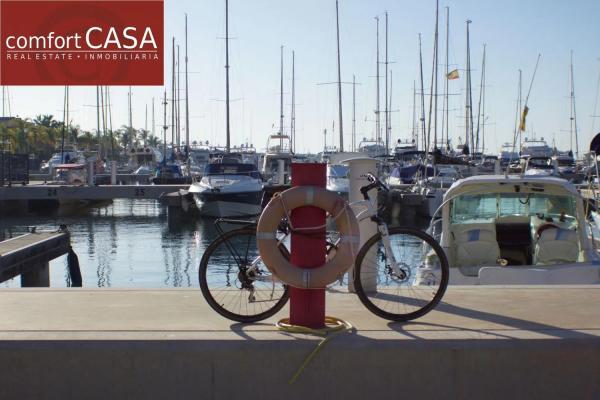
[(236, 283), (407, 285)]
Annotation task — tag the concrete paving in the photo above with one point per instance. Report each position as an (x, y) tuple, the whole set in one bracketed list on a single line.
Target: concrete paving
[(481, 342)]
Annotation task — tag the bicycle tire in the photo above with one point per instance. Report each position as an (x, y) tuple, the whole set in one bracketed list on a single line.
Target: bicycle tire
[(209, 273), (371, 297)]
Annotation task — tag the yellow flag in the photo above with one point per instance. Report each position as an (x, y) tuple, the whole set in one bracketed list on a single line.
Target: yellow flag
[(453, 75), (523, 118)]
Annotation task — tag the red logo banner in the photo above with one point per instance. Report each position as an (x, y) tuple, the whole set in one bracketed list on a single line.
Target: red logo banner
[(81, 42)]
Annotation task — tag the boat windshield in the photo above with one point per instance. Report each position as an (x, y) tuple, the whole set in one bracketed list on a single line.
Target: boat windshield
[(338, 171), (231, 169), (471, 208)]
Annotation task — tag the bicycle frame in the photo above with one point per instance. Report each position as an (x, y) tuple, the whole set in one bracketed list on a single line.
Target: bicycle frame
[(370, 212)]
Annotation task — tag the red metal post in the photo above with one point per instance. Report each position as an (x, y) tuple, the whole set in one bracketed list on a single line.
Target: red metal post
[(307, 306)]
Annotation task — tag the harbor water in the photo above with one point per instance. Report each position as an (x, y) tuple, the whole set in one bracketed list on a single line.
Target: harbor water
[(123, 244)]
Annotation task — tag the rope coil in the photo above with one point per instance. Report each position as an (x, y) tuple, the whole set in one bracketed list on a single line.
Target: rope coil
[(333, 327)]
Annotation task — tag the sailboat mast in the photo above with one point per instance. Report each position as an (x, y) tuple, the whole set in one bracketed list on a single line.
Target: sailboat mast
[(469, 98), (387, 111), (445, 117), (377, 116), (130, 121), (573, 112), (173, 109), (423, 136), (293, 112), (281, 102), (98, 120), (414, 118), (390, 109), (227, 127), (178, 104), (594, 114), (481, 85), (153, 121), (165, 127), (64, 127), (146, 126), (187, 96), (520, 103), (483, 81), (435, 66), (353, 112), (339, 71)]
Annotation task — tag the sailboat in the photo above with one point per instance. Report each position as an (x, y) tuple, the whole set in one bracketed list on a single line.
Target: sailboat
[(229, 187)]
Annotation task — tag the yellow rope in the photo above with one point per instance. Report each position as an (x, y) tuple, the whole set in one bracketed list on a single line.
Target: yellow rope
[(333, 327)]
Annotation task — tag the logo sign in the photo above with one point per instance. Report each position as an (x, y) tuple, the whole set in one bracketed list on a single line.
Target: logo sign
[(81, 42)]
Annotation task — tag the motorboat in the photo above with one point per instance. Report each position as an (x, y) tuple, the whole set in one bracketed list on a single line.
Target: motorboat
[(540, 166), (536, 148), (507, 155), (566, 167), (70, 174), (500, 230), (277, 161), (228, 189), (143, 156), (337, 179), (372, 148)]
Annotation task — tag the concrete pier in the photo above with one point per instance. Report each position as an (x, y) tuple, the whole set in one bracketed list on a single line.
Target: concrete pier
[(28, 256), (480, 343)]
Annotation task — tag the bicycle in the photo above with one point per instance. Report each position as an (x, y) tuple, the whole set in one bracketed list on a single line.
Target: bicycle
[(400, 273)]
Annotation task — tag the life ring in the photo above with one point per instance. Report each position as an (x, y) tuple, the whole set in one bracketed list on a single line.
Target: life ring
[(308, 278)]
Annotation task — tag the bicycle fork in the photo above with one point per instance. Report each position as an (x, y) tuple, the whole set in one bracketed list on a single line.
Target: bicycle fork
[(391, 263)]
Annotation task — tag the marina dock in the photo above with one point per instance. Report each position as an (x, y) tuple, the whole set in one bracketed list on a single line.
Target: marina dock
[(28, 256), (481, 342), (103, 192)]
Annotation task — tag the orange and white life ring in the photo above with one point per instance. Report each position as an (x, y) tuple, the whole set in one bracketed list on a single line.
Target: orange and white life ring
[(308, 278)]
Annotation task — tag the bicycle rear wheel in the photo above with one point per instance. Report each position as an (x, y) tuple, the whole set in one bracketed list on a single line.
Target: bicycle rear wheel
[(411, 288), (236, 283)]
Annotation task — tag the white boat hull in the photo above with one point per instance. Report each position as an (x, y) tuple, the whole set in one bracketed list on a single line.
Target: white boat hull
[(226, 209)]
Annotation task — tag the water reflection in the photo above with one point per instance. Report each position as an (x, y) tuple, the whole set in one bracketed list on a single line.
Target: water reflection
[(124, 244)]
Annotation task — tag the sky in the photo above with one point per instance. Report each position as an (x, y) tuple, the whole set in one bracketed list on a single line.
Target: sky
[(514, 31)]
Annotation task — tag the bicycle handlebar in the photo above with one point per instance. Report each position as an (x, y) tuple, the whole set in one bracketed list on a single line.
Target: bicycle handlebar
[(375, 184)]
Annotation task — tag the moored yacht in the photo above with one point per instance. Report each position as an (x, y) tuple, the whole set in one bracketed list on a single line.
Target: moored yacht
[(279, 155), (228, 189), (516, 230)]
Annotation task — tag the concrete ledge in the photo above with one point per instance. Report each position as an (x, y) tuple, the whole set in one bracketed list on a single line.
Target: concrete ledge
[(482, 343)]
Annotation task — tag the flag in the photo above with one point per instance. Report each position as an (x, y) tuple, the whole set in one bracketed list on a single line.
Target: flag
[(453, 75), (523, 118)]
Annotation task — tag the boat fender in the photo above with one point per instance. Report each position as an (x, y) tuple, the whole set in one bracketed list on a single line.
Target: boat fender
[(280, 207)]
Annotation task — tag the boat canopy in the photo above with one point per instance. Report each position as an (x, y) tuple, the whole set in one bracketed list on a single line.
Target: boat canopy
[(511, 184)]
